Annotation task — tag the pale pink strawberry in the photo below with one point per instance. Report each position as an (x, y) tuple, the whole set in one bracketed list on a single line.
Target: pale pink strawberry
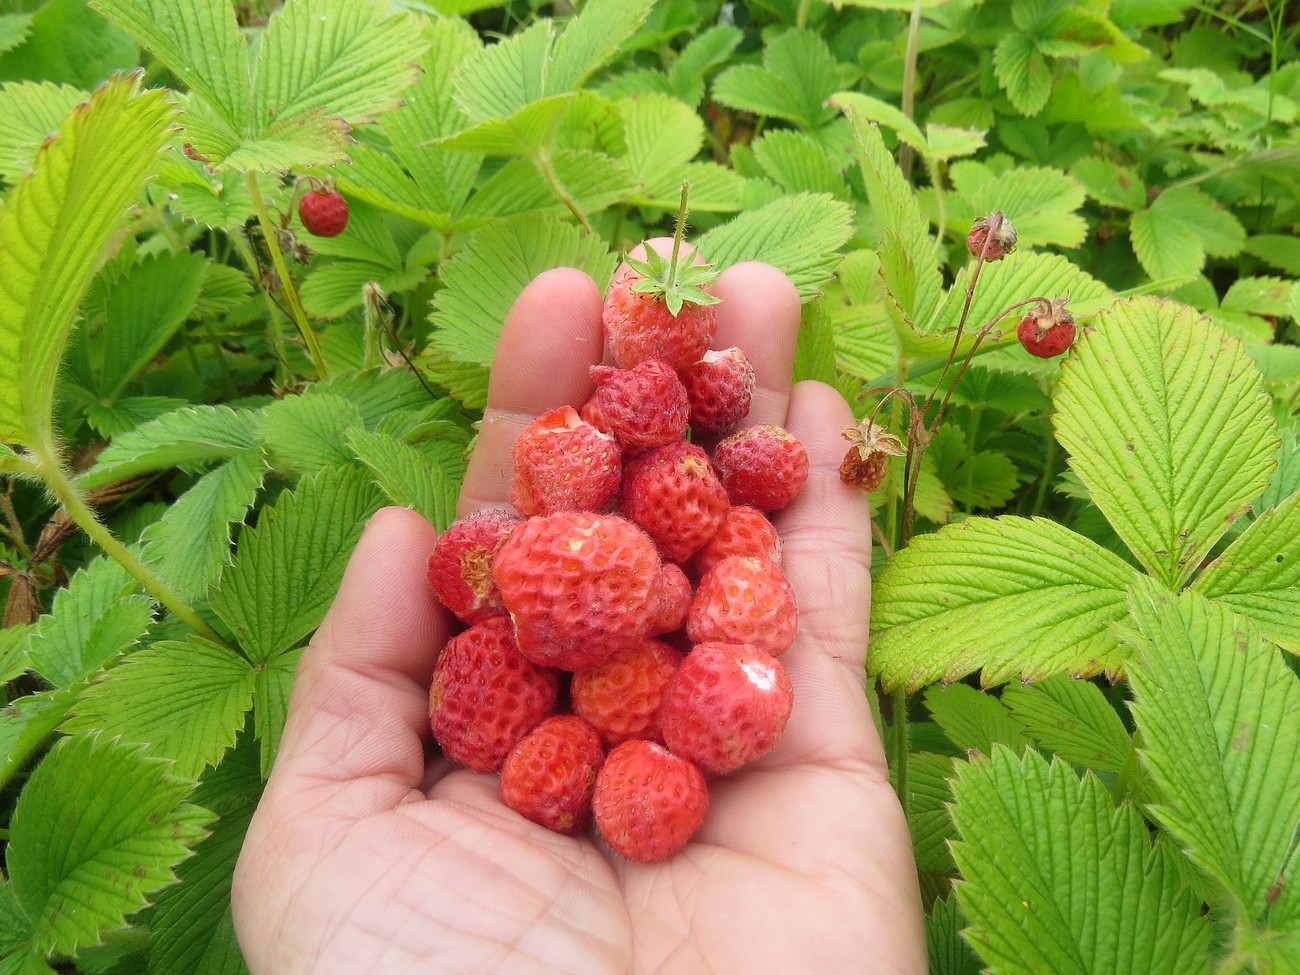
[(563, 463), (460, 568), (621, 697), (744, 599), (641, 321), (580, 586), (485, 696), (674, 493), (648, 801), (720, 388), (745, 531), (673, 600), (726, 705), (550, 774), (644, 406), (763, 466)]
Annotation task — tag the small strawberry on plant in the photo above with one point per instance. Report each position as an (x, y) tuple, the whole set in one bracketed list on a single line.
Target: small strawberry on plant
[(867, 459), (992, 237), (323, 211), (1048, 330)]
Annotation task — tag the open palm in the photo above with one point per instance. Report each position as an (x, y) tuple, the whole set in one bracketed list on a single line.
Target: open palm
[(367, 855)]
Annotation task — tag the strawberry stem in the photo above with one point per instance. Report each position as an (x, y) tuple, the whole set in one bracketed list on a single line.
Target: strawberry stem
[(677, 236)]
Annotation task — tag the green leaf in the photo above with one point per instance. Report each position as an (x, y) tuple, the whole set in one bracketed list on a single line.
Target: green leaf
[(1055, 879), (883, 113), (98, 827), (192, 931), (909, 262), (14, 30), (184, 701), (188, 438), (974, 479), (927, 811), (214, 199), (407, 476), (1014, 596), (190, 545), (1110, 184), (97, 616), (1023, 73), (663, 137), (289, 565), (704, 51), (1219, 714), (32, 113), (1168, 427), (486, 276), (68, 42), (591, 39), (306, 433), (801, 235), (13, 650), (1072, 718), (1172, 237), (947, 950), (1041, 203), (1258, 575), (974, 721), (798, 163), (945, 142), (271, 703), (200, 43), (378, 393), (54, 230), (798, 75)]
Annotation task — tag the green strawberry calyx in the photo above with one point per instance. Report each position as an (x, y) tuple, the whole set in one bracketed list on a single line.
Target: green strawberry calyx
[(676, 278)]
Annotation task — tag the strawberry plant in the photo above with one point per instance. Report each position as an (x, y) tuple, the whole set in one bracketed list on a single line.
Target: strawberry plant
[(254, 262)]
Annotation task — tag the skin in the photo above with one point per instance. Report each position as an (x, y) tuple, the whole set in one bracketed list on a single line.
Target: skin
[(368, 853)]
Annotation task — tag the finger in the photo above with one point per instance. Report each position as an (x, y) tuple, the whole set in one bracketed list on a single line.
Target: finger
[(759, 314), (550, 338), (359, 707), (826, 537)]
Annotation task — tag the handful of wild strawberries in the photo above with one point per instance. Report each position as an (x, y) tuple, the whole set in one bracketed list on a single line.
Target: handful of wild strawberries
[(640, 581)]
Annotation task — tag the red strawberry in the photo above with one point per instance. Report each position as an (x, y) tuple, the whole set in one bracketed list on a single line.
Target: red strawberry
[(323, 212), (744, 599), (1048, 330), (550, 774), (621, 697), (648, 802), (579, 586), (485, 696), (745, 531), (563, 463), (661, 307), (672, 601), (726, 705), (460, 568), (644, 406), (764, 467), (994, 246), (673, 493), (720, 388)]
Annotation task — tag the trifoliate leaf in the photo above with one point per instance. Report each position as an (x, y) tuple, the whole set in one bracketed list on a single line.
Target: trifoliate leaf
[(1052, 592), (1072, 718), (1219, 714), (798, 75), (289, 565), (185, 701), (306, 433), (1040, 202), (1168, 427), (798, 163), (188, 438), (1056, 879), (591, 39), (1023, 73), (1110, 184), (1172, 236), (98, 827)]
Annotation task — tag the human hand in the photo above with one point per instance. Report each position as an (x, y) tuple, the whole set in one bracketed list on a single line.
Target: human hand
[(365, 855)]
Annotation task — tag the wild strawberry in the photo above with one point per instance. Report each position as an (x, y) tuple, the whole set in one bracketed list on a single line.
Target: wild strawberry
[(660, 307), (648, 801), (720, 388), (1048, 330), (550, 774), (672, 601), (744, 531), (460, 568), (727, 704), (579, 586), (621, 697), (644, 406), (323, 212), (764, 467), (674, 493), (744, 599), (485, 696), (563, 463), (866, 461), (994, 244)]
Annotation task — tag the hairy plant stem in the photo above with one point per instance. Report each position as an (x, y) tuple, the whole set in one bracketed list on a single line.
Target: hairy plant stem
[(44, 463), (296, 311), (284, 374), (544, 164), (906, 154)]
